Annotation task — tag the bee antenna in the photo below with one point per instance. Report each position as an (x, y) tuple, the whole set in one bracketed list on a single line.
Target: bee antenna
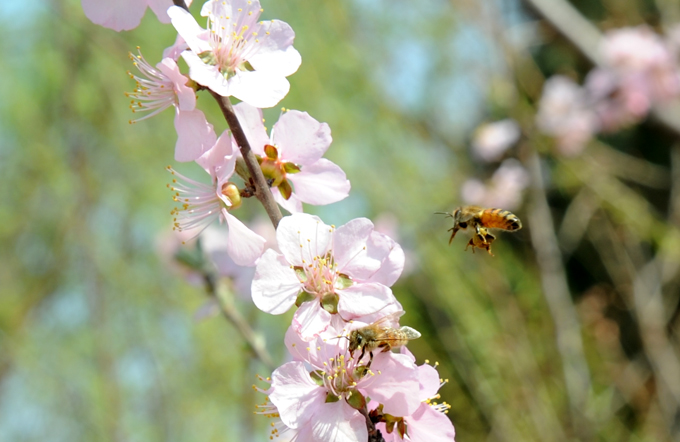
[(443, 213)]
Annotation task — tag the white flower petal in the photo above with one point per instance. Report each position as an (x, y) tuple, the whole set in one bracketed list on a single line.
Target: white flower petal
[(194, 135), (275, 286), (260, 89), (302, 237), (244, 245), (302, 139), (321, 183), (310, 320), (250, 118)]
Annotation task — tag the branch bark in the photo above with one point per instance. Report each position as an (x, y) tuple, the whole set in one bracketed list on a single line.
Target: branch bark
[(262, 192)]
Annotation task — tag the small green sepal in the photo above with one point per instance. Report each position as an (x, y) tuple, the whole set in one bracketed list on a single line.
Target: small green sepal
[(317, 377), (343, 282), (356, 400), (291, 168), (271, 152), (285, 189), (303, 297), (331, 398), (329, 302)]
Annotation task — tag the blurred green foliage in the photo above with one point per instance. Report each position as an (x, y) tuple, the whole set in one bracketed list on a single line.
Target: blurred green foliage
[(97, 341)]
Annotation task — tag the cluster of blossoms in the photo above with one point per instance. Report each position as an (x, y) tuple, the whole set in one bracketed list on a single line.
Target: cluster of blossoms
[(640, 69), (339, 278), (317, 396)]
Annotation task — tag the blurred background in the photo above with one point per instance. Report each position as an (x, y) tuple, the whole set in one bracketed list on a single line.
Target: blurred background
[(562, 112)]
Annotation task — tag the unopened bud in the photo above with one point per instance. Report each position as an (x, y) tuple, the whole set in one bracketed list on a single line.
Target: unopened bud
[(231, 191)]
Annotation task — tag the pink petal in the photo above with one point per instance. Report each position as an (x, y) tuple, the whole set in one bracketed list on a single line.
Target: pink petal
[(395, 383), (191, 32), (351, 251), (428, 377), (276, 53), (206, 75), (275, 286), (250, 118), (301, 138), (176, 49), (364, 299), (219, 161), (392, 265), (310, 320), (194, 135), (292, 204), (121, 15), (160, 8), (185, 95), (260, 89), (295, 395), (430, 425), (244, 245), (302, 237), (335, 422), (320, 183)]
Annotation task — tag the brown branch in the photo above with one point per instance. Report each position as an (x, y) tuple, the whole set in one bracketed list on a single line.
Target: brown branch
[(262, 192), (558, 297), (181, 4), (237, 320)]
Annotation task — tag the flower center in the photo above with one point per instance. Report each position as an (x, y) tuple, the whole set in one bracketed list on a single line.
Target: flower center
[(275, 170)]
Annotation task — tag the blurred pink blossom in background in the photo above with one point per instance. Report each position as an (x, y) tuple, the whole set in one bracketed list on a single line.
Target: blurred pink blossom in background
[(564, 113), (504, 189), (491, 140)]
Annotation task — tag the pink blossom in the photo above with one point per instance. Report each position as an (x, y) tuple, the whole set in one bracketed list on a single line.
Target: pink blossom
[(328, 272), (504, 190), (318, 394), (162, 87), (491, 140), (641, 69), (123, 15), (429, 422), (292, 154), (564, 112), (201, 204), (238, 55)]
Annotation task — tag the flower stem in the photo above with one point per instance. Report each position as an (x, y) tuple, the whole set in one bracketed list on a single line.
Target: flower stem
[(232, 315), (374, 434), (262, 191)]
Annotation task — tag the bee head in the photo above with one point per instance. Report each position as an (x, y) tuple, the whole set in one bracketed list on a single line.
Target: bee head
[(356, 341)]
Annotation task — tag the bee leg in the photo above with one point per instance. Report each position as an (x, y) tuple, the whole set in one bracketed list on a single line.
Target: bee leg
[(363, 352), (471, 243), (370, 360)]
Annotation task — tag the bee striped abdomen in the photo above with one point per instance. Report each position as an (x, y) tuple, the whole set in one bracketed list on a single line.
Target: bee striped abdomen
[(500, 219)]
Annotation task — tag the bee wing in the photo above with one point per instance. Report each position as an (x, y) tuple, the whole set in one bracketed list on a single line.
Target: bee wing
[(410, 333), (389, 320)]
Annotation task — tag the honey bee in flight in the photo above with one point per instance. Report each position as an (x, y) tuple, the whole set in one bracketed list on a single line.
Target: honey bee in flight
[(380, 335), (481, 220)]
